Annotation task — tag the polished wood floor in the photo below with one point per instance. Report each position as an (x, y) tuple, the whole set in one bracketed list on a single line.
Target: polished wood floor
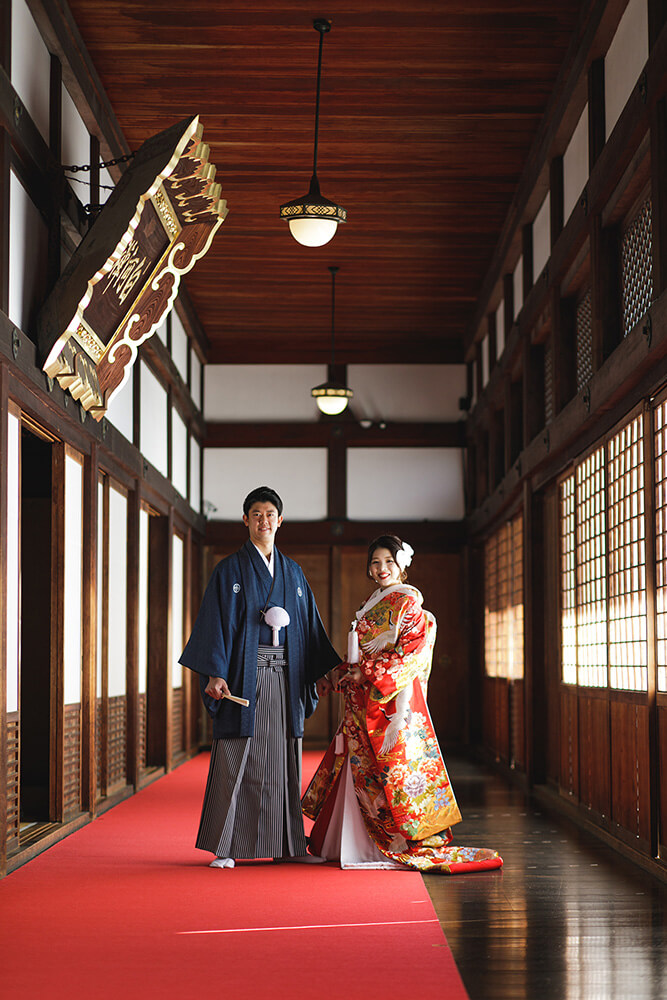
[(565, 919)]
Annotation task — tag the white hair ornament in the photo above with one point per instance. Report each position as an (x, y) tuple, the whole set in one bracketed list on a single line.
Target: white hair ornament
[(404, 556)]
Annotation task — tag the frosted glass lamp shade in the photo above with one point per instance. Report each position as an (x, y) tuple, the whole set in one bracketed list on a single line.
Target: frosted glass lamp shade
[(331, 398), (312, 232)]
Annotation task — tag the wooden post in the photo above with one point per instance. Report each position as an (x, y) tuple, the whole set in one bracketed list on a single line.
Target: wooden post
[(158, 752), (533, 391), (556, 199), (57, 743), (508, 304), (534, 639), (527, 258), (596, 112), (564, 348)]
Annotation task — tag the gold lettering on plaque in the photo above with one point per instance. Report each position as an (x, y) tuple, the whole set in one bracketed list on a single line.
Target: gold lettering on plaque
[(127, 271)]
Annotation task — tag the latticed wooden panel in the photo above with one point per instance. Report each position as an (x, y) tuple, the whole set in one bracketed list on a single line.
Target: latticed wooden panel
[(116, 747), (548, 382), (141, 735), (568, 582), (13, 780), (637, 267), (660, 474), (591, 558), (177, 721), (584, 340), (503, 624), (628, 647), (72, 761)]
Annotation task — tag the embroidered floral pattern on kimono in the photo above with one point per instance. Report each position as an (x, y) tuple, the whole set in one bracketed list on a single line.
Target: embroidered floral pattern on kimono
[(400, 779)]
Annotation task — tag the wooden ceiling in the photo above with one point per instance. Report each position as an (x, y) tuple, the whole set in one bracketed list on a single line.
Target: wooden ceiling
[(428, 111)]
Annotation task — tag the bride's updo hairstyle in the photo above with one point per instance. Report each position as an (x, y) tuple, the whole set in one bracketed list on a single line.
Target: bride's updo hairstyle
[(401, 552)]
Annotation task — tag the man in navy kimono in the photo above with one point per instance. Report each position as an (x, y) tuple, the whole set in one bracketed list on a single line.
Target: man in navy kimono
[(252, 804)]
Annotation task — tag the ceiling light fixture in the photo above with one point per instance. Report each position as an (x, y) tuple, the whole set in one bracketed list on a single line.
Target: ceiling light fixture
[(313, 219), (332, 397)]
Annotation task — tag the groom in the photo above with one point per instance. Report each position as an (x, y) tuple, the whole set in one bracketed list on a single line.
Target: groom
[(252, 806)]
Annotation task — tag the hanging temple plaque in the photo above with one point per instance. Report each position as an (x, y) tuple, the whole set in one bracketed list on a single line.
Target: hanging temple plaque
[(123, 279)]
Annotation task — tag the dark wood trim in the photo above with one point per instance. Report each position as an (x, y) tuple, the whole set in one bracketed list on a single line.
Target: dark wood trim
[(158, 749), (89, 632), (103, 603), (5, 158), (324, 433), (436, 536), (596, 112), (563, 339), (441, 351), (527, 258), (337, 478), (508, 304), (159, 360), (657, 19)]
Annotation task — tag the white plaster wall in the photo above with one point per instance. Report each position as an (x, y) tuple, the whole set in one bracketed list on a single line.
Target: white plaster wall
[(195, 475), (625, 60), (261, 392), (575, 166), (117, 596), (299, 475), (13, 609), (517, 284), (101, 596), (75, 146), (73, 579), (179, 345), (154, 416), (121, 409), (177, 643), (106, 184), (195, 378), (404, 484), (31, 66), (407, 392), (142, 655), (28, 241), (541, 237), (500, 329), (179, 453)]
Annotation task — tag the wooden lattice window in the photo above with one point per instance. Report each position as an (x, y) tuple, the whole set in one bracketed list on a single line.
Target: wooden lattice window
[(503, 616), (584, 340), (628, 646), (568, 582), (637, 267), (591, 571), (660, 446)]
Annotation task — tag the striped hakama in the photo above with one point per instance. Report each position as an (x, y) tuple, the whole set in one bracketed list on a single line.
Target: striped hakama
[(252, 803)]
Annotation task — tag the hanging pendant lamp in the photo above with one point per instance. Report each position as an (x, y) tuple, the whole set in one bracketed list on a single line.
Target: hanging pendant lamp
[(332, 397), (313, 219)]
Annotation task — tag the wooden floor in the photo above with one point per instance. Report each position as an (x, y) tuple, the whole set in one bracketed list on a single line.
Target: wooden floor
[(566, 919)]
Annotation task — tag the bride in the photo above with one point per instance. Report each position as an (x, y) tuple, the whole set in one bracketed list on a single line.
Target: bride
[(381, 797)]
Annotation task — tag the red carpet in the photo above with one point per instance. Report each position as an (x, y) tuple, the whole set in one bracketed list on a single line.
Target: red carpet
[(126, 907)]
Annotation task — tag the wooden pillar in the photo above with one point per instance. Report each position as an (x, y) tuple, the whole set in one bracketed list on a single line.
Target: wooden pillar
[(159, 628), (605, 291), (508, 304), (493, 341), (596, 112), (89, 638), (533, 391)]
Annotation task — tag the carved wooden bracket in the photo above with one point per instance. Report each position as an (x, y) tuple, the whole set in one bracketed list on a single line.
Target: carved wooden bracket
[(123, 279)]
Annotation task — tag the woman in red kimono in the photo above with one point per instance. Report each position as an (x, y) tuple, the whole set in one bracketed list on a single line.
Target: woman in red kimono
[(381, 796)]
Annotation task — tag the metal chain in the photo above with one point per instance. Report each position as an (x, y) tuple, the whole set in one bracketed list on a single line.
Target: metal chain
[(74, 169)]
